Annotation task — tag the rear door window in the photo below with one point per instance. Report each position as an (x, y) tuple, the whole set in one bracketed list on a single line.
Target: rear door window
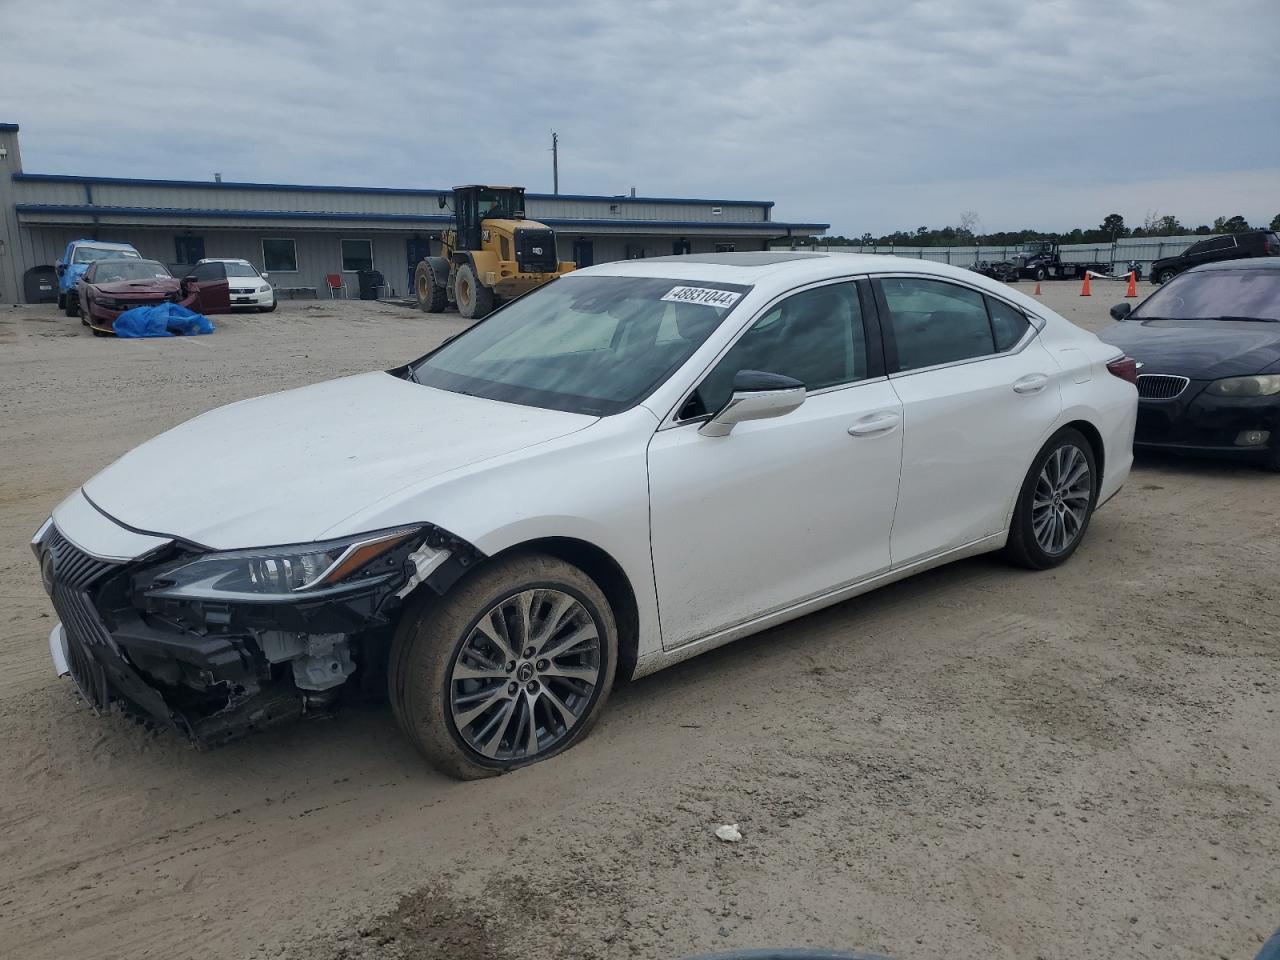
[(935, 322)]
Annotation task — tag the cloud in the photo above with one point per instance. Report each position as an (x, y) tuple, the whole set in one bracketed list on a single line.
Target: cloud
[(872, 115)]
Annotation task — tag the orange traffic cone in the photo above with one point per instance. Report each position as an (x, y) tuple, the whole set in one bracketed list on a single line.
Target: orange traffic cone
[(1036, 291), (1084, 291), (1133, 284)]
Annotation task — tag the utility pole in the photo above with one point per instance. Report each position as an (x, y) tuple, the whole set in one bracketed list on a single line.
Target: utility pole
[(555, 162)]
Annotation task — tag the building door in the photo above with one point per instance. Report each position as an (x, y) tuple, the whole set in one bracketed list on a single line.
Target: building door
[(584, 252), (419, 248), (680, 247), (188, 249)]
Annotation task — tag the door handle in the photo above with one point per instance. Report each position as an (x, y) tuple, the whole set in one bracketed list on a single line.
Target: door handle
[(875, 425), (1031, 383)]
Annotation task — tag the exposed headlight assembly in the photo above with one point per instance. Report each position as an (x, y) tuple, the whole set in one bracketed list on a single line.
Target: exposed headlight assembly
[(1263, 385), (282, 573)]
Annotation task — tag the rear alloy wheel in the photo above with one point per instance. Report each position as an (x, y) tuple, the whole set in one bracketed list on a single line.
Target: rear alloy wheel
[(1055, 503), (510, 667), (1166, 275), (473, 298)]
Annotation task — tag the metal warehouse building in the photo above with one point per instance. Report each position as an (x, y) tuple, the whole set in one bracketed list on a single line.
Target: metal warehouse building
[(300, 233)]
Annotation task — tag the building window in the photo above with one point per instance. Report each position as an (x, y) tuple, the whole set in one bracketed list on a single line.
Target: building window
[(725, 248), (279, 256), (357, 255), (716, 211)]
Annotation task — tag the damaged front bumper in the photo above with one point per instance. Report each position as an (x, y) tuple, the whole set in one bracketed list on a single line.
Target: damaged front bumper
[(213, 669)]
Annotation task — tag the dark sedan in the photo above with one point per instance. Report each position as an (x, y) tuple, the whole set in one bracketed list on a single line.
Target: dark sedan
[(1208, 346)]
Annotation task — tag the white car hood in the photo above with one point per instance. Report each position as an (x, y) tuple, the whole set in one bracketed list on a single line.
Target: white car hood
[(289, 467)]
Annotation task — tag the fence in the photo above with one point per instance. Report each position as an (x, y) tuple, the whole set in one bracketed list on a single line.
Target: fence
[(1142, 249)]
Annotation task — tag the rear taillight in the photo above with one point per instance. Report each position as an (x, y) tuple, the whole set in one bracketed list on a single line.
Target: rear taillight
[(1126, 368)]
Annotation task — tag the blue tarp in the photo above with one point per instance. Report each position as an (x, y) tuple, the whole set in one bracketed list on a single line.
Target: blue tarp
[(164, 320)]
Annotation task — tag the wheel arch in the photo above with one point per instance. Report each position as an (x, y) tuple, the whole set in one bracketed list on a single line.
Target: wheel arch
[(592, 560), (1094, 436)]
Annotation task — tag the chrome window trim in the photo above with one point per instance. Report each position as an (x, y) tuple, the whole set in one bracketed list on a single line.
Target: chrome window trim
[(1036, 324), (669, 419)]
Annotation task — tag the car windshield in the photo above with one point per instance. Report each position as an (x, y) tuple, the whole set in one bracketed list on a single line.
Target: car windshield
[(91, 254), (240, 270), (1215, 294), (110, 271), (593, 345)]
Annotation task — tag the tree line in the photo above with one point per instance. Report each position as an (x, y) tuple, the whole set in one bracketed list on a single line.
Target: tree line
[(1111, 229)]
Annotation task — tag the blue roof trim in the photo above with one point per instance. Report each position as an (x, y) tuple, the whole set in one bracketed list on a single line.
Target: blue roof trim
[(93, 209), (320, 188), (9, 127)]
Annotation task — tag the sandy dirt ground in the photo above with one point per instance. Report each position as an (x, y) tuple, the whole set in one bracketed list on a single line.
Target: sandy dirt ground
[(977, 763)]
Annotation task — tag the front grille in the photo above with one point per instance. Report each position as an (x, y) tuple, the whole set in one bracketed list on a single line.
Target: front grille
[(242, 291), (74, 573), (1160, 386)]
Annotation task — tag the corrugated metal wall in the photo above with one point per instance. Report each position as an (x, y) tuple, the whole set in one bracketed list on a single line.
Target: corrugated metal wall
[(232, 197)]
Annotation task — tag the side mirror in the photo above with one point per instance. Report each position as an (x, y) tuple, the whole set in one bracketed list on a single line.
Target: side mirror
[(264, 274), (1120, 311), (190, 278), (757, 395), (60, 269)]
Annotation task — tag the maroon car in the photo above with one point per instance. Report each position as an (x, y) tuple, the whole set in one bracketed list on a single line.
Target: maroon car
[(109, 287)]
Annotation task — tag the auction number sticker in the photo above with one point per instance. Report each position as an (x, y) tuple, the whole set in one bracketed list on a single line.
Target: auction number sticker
[(706, 296)]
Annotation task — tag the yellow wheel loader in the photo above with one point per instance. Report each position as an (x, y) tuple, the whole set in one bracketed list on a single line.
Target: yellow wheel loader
[(490, 253)]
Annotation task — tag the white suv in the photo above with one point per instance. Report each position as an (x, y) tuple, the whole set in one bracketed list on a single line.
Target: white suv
[(631, 465), (248, 287)]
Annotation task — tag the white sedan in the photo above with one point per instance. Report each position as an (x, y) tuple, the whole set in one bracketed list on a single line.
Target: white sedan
[(247, 288), (629, 466)]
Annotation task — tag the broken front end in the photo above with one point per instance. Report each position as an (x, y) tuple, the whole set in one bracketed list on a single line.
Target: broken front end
[(215, 643)]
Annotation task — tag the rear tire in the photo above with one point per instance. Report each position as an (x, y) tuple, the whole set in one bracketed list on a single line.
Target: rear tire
[(474, 299), (431, 295), (1054, 504), (71, 305), (1165, 276), (540, 603)]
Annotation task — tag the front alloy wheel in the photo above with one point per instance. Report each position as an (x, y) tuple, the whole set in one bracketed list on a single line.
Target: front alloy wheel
[(525, 676), (511, 666)]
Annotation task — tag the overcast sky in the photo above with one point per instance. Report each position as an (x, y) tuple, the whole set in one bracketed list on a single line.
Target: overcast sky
[(869, 115)]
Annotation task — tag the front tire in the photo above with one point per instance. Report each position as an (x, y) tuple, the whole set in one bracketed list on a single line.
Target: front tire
[(473, 298), (431, 296), (270, 309), (1055, 503), (1165, 276), (511, 667)]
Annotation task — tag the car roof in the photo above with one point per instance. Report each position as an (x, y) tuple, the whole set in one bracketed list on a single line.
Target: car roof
[(1248, 263), (223, 260), (773, 265)]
